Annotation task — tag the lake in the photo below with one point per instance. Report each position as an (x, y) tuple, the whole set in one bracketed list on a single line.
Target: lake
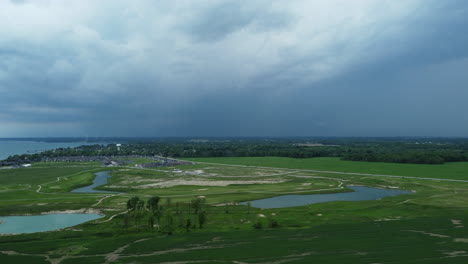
[(361, 193), (101, 179), (17, 147), (42, 223)]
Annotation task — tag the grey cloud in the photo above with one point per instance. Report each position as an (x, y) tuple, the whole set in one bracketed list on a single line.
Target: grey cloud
[(217, 21), (245, 69)]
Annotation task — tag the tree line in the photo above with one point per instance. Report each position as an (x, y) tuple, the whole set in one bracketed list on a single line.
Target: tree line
[(165, 218), (397, 150)]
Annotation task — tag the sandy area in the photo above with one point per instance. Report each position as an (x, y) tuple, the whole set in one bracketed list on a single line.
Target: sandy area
[(138, 179), (79, 211), (457, 223), (456, 254), (224, 204), (429, 234), (173, 183)]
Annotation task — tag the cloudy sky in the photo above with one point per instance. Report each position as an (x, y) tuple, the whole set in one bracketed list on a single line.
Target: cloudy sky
[(233, 68)]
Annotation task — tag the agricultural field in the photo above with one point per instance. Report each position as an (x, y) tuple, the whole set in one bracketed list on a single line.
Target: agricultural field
[(203, 215)]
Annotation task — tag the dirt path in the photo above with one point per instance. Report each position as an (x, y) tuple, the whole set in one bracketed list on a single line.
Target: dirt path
[(112, 217), (102, 199)]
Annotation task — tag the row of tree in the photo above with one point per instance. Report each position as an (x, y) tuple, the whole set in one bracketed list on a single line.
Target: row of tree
[(372, 150), (166, 218)]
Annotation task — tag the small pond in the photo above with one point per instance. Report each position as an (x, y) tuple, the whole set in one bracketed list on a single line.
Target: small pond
[(42, 223), (361, 193), (101, 179)]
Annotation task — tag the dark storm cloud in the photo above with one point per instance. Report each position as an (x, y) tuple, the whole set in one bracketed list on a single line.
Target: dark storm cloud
[(233, 68), (220, 19)]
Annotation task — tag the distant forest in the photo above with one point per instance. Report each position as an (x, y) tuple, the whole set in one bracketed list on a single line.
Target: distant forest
[(393, 150)]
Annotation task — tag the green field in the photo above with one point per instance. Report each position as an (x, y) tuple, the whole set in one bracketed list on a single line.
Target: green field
[(424, 227)]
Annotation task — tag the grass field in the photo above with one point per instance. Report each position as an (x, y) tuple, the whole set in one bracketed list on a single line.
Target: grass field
[(424, 227)]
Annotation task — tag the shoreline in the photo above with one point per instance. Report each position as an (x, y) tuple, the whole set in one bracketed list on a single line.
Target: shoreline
[(76, 211)]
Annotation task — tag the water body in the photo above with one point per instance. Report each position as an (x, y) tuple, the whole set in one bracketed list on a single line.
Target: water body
[(360, 193), (42, 223), (101, 179), (12, 147)]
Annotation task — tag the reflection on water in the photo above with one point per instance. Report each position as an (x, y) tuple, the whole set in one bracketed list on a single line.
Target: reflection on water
[(101, 179), (360, 193), (42, 223)]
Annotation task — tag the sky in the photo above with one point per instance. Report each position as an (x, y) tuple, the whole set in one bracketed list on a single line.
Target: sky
[(233, 68)]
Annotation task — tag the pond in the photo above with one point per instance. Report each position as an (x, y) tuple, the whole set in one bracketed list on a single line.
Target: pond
[(101, 179), (42, 223), (361, 193)]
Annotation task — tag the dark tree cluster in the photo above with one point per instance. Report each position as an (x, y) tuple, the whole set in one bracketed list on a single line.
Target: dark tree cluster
[(396, 150), (167, 218)]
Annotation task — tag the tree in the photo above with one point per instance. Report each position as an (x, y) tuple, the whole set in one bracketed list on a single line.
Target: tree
[(169, 222), (226, 207), (188, 224), (272, 222), (152, 203), (151, 222), (126, 220), (197, 204), (135, 206), (201, 218), (135, 203)]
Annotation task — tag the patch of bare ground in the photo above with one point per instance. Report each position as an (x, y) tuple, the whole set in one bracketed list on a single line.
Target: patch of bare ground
[(457, 223), (462, 240), (112, 217), (405, 201), (273, 173), (224, 204), (138, 179), (102, 199), (429, 234), (303, 238), (78, 211), (459, 253), (195, 182), (389, 219)]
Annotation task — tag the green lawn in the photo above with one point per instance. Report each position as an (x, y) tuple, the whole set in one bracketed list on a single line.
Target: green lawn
[(38, 175), (453, 170)]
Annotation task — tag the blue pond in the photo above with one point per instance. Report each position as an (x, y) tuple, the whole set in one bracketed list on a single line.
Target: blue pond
[(360, 193), (101, 179), (42, 223)]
